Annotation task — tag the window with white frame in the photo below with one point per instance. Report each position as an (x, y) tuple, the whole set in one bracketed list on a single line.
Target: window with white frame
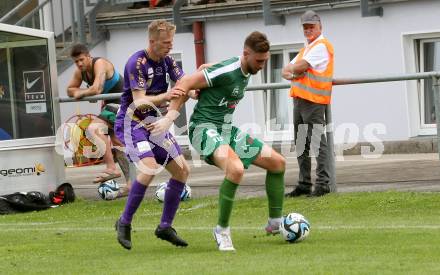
[(278, 104), (429, 58)]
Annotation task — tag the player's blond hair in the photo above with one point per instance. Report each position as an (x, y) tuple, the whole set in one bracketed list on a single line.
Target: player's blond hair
[(158, 26)]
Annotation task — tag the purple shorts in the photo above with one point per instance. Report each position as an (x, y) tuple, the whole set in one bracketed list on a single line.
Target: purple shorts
[(140, 144)]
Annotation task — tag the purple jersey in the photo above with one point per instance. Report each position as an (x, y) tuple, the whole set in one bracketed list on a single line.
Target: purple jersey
[(143, 73)]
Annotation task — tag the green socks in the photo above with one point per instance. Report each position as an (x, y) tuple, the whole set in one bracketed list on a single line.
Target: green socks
[(275, 193), (225, 202), (275, 196)]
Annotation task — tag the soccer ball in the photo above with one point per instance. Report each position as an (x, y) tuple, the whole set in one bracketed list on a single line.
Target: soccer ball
[(294, 227), (108, 190), (161, 188), (186, 193)]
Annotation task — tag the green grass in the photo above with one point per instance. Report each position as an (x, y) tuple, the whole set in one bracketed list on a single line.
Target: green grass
[(358, 233)]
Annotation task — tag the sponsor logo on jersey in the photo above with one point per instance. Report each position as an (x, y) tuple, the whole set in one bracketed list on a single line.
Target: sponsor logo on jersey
[(177, 71), (235, 91), (141, 82), (229, 104), (159, 71), (138, 63)]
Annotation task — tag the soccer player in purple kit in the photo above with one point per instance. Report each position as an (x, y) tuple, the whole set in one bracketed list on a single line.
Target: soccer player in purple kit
[(145, 89)]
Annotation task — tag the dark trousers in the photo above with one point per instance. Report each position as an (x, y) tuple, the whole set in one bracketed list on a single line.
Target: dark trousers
[(311, 141)]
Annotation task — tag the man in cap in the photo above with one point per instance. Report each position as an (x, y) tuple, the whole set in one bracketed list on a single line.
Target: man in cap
[(311, 73)]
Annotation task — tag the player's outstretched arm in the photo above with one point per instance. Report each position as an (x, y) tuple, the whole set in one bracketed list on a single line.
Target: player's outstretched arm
[(195, 81), (185, 84), (141, 99)]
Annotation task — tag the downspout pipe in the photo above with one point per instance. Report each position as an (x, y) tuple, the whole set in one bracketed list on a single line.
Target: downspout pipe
[(177, 18), (199, 42)]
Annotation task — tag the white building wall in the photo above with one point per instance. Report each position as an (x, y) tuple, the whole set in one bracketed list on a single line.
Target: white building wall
[(363, 46)]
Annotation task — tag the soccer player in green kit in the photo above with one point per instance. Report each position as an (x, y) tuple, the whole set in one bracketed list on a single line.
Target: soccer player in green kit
[(211, 133)]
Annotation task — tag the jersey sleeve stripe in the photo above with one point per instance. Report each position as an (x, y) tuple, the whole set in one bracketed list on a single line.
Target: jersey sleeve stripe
[(208, 80), (225, 69)]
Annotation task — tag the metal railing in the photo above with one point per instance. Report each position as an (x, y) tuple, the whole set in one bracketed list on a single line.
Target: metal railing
[(66, 18), (435, 76)]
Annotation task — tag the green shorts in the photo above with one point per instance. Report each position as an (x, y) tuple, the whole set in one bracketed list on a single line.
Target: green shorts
[(108, 113), (206, 139)]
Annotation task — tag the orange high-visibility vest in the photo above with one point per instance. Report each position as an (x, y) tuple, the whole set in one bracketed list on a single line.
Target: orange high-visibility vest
[(315, 86)]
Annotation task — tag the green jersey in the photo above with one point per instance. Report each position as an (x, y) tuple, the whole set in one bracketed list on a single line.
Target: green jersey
[(226, 86)]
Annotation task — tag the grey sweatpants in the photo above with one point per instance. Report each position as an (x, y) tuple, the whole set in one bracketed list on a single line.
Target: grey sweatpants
[(311, 141)]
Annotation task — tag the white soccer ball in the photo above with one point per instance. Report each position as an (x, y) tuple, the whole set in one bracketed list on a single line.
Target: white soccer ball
[(161, 188), (186, 193), (108, 190), (294, 227)]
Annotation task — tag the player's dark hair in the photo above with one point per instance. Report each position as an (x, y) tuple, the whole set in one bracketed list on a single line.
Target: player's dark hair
[(257, 42), (78, 49)]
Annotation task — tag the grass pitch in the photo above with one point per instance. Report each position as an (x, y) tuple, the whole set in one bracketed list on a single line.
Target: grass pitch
[(357, 233)]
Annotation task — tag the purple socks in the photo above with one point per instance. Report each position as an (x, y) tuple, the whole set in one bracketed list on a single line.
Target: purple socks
[(171, 202), (135, 198)]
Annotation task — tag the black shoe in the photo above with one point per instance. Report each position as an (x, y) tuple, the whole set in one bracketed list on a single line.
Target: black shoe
[(298, 191), (124, 234), (170, 235), (320, 191)]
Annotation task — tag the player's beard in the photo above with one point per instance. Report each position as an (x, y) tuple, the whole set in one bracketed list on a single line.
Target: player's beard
[(252, 70)]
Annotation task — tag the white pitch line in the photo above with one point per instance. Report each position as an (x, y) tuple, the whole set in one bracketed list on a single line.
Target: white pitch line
[(30, 223), (206, 228), (195, 207)]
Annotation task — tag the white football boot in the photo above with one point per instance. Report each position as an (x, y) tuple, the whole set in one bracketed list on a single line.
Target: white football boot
[(223, 239), (273, 226)]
